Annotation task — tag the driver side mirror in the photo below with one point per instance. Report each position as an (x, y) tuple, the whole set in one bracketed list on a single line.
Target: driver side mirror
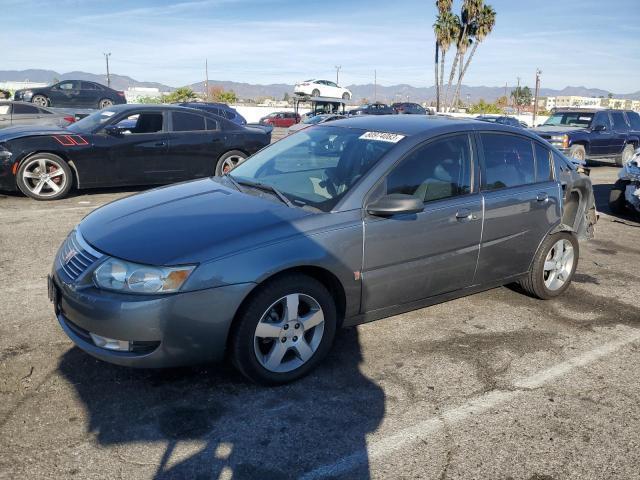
[(599, 128), (113, 130), (395, 204)]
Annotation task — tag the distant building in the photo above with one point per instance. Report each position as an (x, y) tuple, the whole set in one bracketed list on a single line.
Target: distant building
[(20, 85), (573, 101)]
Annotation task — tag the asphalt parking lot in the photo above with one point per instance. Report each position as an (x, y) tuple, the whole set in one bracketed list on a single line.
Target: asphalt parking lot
[(493, 386)]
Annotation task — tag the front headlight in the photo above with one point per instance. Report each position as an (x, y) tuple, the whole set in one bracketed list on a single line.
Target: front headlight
[(127, 277), (563, 139)]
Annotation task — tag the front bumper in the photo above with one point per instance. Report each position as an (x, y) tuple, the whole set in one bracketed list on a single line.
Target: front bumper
[(7, 178), (164, 331)]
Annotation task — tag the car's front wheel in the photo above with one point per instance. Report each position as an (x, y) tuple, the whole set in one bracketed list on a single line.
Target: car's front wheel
[(346, 96), (627, 153), (229, 161), (315, 92), (40, 100), (44, 176), (553, 266), (578, 152), (284, 330)]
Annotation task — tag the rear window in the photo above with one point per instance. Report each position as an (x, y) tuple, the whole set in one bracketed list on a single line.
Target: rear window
[(543, 163), (187, 122), (508, 161)]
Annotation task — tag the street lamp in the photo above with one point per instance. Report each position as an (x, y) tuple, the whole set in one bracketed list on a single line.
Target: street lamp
[(106, 57)]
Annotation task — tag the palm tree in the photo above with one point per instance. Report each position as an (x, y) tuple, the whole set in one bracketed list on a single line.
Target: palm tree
[(444, 8), (481, 28), (446, 30)]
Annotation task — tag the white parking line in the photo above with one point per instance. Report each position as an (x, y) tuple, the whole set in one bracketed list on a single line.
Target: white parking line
[(421, 431), (40, 211)]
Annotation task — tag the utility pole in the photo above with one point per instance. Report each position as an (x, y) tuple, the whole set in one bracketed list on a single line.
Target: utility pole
[(206, 79), (535, 98), (106, 57), (338, 67), (516, 99), (375, 86)]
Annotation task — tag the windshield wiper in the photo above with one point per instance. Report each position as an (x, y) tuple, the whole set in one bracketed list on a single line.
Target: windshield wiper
[(233, 181), (264, 186)]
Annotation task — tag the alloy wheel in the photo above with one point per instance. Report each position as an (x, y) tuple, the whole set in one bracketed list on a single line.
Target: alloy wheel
[(231, 162), (44, 177), (558, 265), (40, 101), (289, 333)]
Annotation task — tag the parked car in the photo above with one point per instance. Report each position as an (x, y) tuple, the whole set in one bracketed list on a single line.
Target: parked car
[(372, 109), (502, 119), (322, 88), (123, 145), (409, 108), (280, 119), (315, 120), (593, 134), (20, 113), (72, 93), (221, 109), (339, 224)]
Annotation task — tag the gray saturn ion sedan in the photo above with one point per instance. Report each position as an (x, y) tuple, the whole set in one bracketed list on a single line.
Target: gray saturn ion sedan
[(336, 225)]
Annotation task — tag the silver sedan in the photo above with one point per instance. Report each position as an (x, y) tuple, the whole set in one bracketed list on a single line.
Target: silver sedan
[(14, 114)]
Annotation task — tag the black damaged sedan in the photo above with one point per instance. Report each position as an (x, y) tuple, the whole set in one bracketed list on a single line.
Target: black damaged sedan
[(121, 146)]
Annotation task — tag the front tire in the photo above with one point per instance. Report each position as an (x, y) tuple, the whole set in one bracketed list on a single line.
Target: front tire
[(229, 161), (346, 96), (105, 103), (553, 266), (315, 92), (627, 153), (617, 202), (44, 176), (40, 100), (284, 330), (578, 152)]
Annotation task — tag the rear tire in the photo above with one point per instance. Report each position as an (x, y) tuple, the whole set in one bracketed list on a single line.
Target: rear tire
[(346, 96), (229, 161), (44, 176), (553, 266), (105, 103), (617, 202), (272, 344), (315, 92)]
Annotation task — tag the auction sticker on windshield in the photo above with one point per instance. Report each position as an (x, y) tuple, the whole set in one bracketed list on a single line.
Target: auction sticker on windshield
[(382, 137)]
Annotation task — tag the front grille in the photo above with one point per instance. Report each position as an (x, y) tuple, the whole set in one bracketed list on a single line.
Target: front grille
[(75, 256)]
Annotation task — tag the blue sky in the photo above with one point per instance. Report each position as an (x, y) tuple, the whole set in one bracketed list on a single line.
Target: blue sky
[(573, 42)]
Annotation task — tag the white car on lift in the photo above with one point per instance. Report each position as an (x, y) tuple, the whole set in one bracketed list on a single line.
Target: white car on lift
[(322, 88)]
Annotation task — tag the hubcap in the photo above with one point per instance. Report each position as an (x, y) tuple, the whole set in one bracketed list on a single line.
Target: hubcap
[(106, 103), (44, 177), (289, 333), (40, 101), (558, 264), (231, 162)]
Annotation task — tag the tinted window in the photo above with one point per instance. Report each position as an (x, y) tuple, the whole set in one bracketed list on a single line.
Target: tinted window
[(212, 124), (187, 122), (602, 118), (88, 86), (229, 114), (573, 119), (543, 163), (19, 108), (438, 170), (618, 121), (68, 86), (634, 120), (508, 161), (141, 123)]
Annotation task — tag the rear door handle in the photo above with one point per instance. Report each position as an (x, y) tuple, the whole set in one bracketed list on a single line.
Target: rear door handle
[(464, 214), (542, 197)]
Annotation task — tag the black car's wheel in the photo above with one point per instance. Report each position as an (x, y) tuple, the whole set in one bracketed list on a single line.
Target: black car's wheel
[(284, 330), (578, 152), (105, 103), (553, 266), (44, 176), (315, 92), (617, 201), (627, 153), (40, 100), (346, 96), (229, 161)]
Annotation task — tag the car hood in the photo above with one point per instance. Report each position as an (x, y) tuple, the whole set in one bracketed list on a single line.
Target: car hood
[(556, 129), (11, 133), (187, 223)]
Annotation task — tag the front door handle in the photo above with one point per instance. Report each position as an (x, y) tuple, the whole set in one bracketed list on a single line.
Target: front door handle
[(464, 214), (160, 144), (542, 197)]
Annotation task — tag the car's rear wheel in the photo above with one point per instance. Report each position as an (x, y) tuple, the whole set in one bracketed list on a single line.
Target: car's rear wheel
[(284, 330), (553, 266), (315, 92), (105, 103), (627, 153), (44, 176), (40, 100), (617, 201), (346, 96), (578, 152), (229, 161)]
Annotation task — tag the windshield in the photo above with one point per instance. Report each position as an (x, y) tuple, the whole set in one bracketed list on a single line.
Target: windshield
[(317, 166), (91, 122), (570, 119)]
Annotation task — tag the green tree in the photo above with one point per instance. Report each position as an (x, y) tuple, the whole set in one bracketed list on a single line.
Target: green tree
[(149, 100), (446, 29), (182, 94), (484, 107), (286, 97), (521, 96)]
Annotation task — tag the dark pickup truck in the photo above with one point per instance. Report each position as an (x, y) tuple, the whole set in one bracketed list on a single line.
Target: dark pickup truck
[(593, 134)]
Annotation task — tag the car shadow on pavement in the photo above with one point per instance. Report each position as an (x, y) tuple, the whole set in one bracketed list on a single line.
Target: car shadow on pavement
[(250, 431), (601, 194)]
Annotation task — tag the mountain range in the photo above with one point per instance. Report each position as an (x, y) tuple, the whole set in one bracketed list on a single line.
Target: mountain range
[(387, 93)]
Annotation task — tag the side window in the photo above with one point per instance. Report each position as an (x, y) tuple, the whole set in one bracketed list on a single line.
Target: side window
[(602, 118), (634, 120), (187, 122), (229, 114), (212, 124), (543, 163), (19, 108), (146, 122), (508, 161), (88, 86), (68, 86), (619, 122), (440, 169)]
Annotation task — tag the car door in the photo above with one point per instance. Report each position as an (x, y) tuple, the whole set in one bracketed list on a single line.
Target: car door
[(196, 142), (5, 114), (136, 148), (519, 208), (620, 131), (65, 94), (88, 95), (409, 257), (603, 141)]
